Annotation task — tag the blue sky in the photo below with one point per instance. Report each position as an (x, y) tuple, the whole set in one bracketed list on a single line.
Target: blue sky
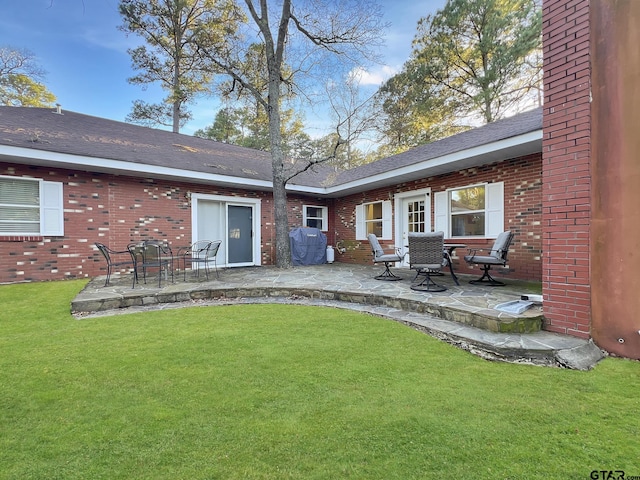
[(85, 56)]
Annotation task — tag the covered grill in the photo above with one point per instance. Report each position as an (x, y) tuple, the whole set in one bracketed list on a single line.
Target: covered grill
[(308, 246)]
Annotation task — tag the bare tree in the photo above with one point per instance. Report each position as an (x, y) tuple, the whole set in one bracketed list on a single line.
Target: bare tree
[(21, 79), (15, 61), (353, 116), (299, 41)]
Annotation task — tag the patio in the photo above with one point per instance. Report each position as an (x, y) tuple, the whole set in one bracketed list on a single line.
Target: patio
[(463, 315)]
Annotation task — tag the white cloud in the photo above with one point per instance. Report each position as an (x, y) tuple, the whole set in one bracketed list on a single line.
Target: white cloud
[(373, 77)]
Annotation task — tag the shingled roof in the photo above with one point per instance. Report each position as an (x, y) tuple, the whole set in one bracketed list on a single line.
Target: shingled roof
[(45, 136), (95, 139), (490, 133)]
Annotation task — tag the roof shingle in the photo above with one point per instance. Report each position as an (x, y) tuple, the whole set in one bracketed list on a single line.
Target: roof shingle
[(93, 137)]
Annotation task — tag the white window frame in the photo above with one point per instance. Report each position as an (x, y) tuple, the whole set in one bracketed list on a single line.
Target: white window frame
[(361, 220), (50, 208), (324, 218), (493, 210)]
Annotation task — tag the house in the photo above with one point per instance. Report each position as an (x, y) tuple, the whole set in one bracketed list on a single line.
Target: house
[(112, 182), (106, 181), (563, 178)]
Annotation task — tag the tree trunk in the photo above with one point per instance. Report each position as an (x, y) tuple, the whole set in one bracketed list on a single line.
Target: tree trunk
[(283, 249), (281, 220), (176, 99)]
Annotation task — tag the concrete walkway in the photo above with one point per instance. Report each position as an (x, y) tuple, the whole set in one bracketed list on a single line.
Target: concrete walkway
[(463, 315)]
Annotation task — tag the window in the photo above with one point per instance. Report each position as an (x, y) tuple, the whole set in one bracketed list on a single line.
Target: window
[(30, 207), (416, 216), (373, 218), (472, 211), (315, 217), (467, 211)]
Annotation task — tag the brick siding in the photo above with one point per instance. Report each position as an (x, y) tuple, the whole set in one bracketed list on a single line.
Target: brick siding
[(522, 178), (566, 200), (117, 210), (114, 210)]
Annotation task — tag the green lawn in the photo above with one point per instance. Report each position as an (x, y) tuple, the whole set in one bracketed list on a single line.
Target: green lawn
[(278, 392)]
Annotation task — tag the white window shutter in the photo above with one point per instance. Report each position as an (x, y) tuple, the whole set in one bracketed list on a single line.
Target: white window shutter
[(360, 227), (387, 222), (495, 209), (51, 209), (441, 213)]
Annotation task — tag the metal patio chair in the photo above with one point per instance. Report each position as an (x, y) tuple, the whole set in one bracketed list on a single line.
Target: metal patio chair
[(151, 254), (387, 258), (200, 253), (115, 259), (496, 256)]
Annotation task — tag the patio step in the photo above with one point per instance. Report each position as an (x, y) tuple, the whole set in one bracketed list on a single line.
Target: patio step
[(463, 307)]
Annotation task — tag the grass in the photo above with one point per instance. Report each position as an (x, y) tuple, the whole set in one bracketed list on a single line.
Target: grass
[(288, 392)]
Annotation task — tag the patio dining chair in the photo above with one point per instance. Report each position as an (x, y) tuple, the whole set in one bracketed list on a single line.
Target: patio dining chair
[(387, 258), (201, 253), (115, 259), (496, 256), (151, 254), (426, 256)]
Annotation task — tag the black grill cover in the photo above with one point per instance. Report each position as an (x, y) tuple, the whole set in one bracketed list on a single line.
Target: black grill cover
[(308, 246)]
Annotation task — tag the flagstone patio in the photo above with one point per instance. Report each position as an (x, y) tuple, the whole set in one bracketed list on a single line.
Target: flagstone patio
[(463, 315)]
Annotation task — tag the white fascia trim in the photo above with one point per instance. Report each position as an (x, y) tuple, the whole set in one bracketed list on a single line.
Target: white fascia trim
[(439, 161), (103, 165), (322, 191)]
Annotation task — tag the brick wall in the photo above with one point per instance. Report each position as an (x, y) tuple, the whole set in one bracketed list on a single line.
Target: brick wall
[(566, 209), (523, 214), (119, 210), (111, 210)]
